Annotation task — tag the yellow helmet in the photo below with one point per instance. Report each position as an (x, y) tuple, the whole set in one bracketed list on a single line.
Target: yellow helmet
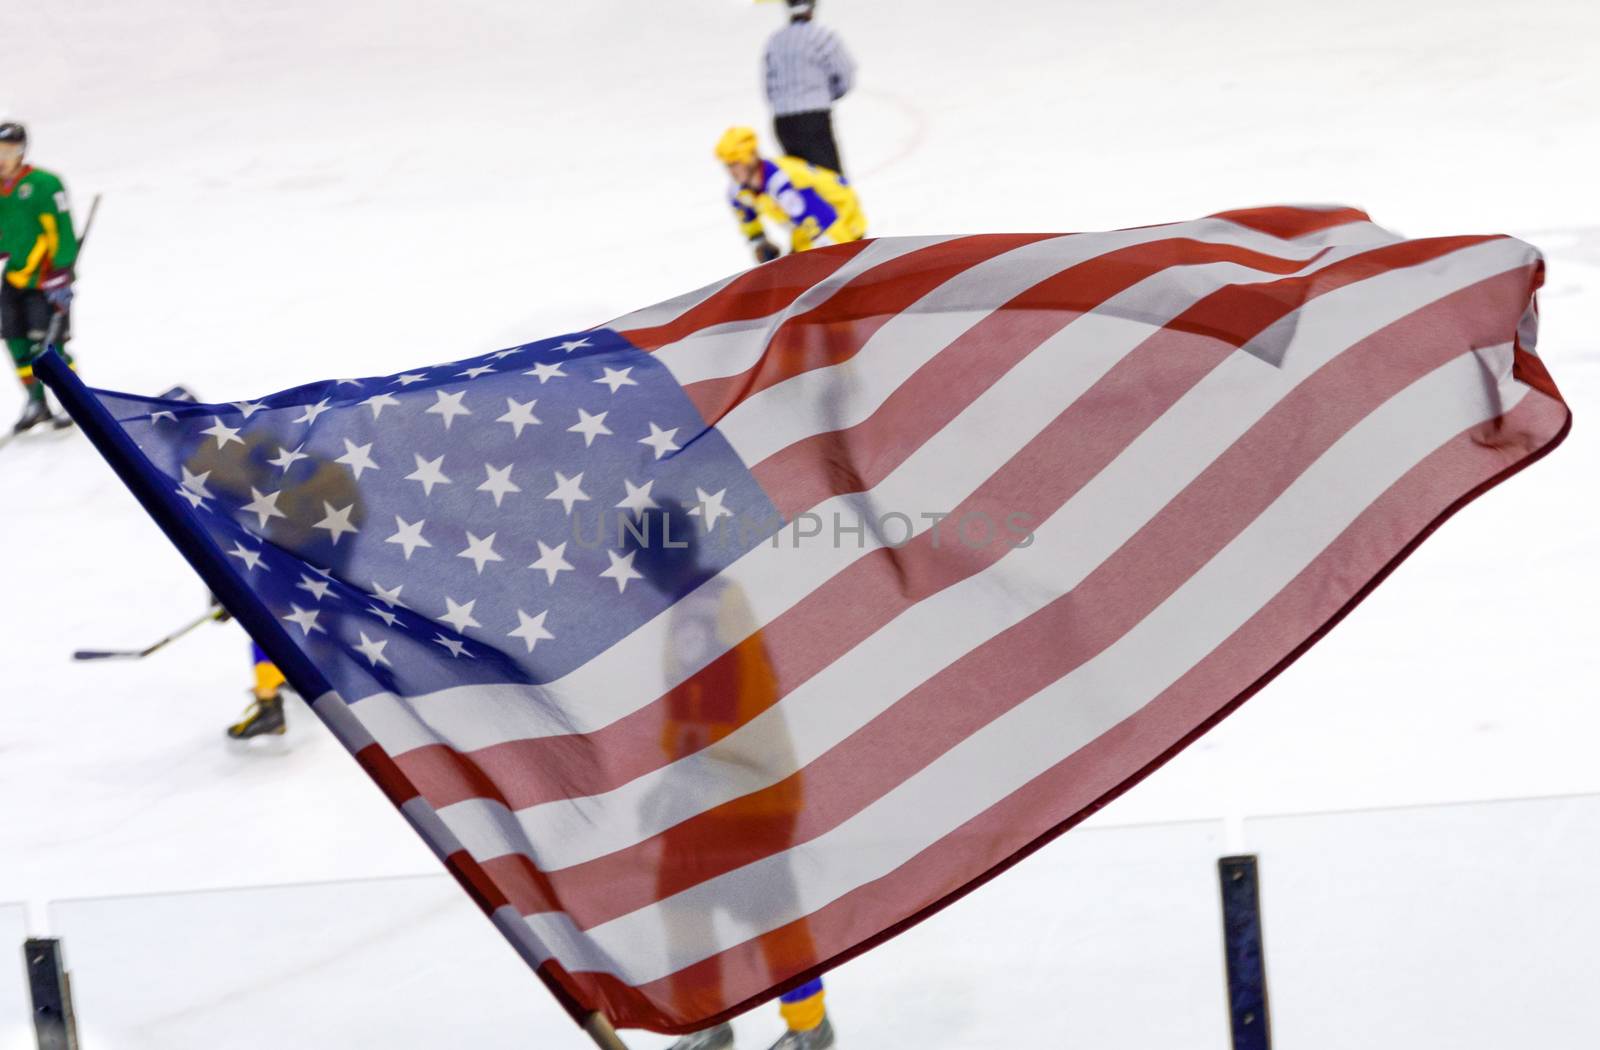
[(737, 146)]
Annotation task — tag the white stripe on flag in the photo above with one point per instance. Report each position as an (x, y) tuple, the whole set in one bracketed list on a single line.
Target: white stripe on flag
[(671, 309)]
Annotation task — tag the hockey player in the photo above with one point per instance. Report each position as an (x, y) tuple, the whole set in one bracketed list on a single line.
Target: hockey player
[(37, 249), (712, 616), (820, 205), (237, 469)]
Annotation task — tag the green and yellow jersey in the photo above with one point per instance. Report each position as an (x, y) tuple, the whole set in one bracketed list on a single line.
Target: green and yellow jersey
[(36, 235)]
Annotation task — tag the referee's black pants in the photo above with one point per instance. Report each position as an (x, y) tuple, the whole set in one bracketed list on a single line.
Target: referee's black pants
[(809, 136)]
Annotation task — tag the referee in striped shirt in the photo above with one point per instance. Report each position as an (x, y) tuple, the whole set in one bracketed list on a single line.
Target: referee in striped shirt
[(807, 70)]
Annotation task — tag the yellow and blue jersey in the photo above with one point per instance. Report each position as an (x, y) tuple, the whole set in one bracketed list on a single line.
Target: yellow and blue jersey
[(820, 205)]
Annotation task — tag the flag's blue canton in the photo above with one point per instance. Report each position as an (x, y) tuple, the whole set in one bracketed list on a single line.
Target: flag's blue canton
[(457, 523)]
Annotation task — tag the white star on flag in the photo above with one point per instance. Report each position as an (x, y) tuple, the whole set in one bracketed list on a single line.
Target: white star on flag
[(531, 629), (158, 416), (459, 616), (286, 458), (480, 551), (337, 522), (429, 473), (573, 344), (660, 440), (252, 559), (223, 433), (710, 508), (476, 370), (551, 561), (457, 649), (449, 406), (247, 408), (622, 569), (638, 498), (312, 412), (617, 377), (386, 595), (264, 505), (568, 490), (519, 415), (305, 619), (589, 426), (383, 614), (196, 483), (372, 649), (378, 402), (499, 482), (545, 373), (408, 536), (357, 457), (318, 588), (409, 378)]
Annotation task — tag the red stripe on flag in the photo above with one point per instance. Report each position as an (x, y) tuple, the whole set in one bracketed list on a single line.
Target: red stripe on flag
[(525, 887), (759, 292), (1290, 222), (484, 891), (389, 777)]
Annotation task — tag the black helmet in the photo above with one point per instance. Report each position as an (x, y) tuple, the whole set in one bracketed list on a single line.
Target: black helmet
[(11, 131)]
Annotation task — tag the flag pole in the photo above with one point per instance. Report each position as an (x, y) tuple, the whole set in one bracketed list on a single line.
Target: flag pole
[(600, 1030)]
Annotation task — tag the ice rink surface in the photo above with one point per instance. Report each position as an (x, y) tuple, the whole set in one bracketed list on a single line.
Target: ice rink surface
[(302, 190)]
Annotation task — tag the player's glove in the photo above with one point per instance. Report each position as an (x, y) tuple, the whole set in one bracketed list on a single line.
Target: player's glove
[(57, 289), (765, 250)]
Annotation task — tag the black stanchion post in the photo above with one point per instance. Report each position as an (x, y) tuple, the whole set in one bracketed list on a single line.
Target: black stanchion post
[(1242, 948), (50, 992)]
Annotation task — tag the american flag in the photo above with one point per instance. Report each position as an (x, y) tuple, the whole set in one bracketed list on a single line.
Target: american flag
[(713, 646)]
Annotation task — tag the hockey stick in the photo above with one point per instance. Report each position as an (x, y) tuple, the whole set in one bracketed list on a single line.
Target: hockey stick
[(139, 654), (53, 330)]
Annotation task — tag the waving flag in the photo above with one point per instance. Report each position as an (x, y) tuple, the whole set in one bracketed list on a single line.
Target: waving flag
[(713, 646)]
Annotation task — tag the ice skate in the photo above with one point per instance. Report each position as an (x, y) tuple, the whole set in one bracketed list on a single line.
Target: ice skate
[(34, 413), (263, 716), (818, 1038), (718, 1038)]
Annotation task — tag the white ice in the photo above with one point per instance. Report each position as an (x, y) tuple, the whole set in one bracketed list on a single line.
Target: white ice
[(302, 190)]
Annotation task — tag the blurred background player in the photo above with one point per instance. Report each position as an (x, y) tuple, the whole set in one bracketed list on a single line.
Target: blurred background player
[(807, 71), (37, 249), (715, 651), (820, 205), (236, 469), (265, 713)]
